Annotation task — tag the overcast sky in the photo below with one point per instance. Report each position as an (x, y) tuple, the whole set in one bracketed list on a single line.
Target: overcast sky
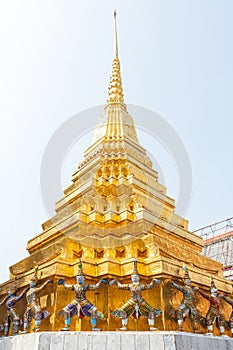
[(55, 61)]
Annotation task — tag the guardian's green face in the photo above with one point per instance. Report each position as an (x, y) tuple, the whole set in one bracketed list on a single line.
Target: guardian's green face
[(11, 293), (80, 279), (32, 284)]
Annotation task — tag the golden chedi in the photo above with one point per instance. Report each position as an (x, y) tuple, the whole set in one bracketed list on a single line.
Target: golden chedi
[(114, 211)]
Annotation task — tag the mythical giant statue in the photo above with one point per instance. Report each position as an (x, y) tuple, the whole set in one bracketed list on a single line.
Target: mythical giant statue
[(33, 310), (11, 315), (80, 305), (187, 306), (214, 313), (230, 302), (136, 305)]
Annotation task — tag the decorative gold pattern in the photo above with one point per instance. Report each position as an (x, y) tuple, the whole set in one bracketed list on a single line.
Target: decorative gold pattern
[(115, 90)]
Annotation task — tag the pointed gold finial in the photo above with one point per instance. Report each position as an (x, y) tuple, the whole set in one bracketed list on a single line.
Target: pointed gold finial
[(115, 90), (115, 36)]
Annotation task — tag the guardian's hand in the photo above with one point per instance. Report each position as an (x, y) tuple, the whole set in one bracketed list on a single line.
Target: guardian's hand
[(156, 280), (61, 281), (104, 281)]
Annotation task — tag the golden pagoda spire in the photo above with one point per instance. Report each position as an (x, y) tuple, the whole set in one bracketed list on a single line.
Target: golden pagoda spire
[(115, 37), (115, 90)]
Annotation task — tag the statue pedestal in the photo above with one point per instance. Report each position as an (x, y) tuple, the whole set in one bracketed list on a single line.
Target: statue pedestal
[(115, 341)]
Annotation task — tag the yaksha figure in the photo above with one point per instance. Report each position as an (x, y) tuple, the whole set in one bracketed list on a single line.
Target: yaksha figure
[(230, 302), (33, 310), (136, 306), (80, 305), (213, 314), (187, 306), (11, 315)]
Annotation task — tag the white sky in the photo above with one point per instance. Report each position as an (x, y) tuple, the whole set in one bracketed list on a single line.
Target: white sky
[(55, 61)]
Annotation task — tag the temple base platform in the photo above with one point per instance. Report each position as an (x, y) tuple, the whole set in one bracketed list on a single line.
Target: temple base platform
[(115, 341)]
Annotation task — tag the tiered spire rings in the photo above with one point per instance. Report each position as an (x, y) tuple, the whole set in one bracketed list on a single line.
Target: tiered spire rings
[(115, 90)]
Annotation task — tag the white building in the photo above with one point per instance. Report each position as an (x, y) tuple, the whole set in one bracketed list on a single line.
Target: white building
[(218, 244)]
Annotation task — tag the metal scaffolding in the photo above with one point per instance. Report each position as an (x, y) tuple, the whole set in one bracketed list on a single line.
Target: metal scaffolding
[(215, 229), (218, 244)]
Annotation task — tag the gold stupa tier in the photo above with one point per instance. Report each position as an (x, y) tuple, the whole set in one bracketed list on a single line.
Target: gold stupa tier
[(114, 211)]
